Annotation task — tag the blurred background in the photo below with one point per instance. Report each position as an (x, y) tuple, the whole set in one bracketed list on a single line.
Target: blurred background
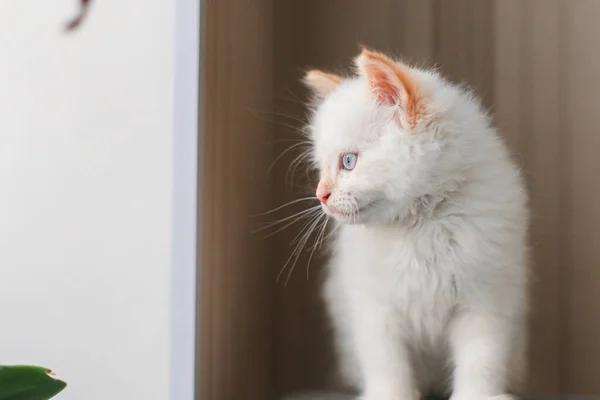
[(535, 64), (98, 132)]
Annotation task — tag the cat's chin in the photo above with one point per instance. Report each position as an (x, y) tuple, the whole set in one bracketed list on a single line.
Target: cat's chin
[(353, 218), (374, 215)]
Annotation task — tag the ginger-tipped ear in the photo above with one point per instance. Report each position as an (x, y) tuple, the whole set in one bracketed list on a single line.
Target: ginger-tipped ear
[(391, 84), (321, 83)]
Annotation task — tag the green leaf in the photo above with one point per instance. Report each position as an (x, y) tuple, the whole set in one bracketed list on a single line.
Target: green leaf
[(24, 382)]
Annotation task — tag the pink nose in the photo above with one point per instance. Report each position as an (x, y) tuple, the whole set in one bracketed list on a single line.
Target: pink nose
[(324, 197)]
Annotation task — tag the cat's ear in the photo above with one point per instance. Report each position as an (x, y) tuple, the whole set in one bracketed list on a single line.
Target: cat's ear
[(391, 83), (321, 83)]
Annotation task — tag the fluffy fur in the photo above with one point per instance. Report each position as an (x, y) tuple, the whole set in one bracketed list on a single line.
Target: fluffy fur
[(427, 285)]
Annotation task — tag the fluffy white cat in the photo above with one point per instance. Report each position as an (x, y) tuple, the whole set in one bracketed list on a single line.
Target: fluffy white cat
[(427, 285)]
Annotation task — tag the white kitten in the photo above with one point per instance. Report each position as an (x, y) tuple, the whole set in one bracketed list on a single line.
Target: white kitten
[(427, 284)]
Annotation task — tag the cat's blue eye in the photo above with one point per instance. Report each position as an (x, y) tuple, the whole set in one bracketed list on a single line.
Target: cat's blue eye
[(349, 161)]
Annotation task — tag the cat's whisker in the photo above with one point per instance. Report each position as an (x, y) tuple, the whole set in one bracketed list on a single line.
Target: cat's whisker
[(330, 234), (317, 242), (264, 116), (304, 232), (292, 147), (286, 141), (294, 97), (310, 215), (308, 228), (299, 236), (296, 162), (287, 204), (356, 213), (292, 219), (286, 115), (291, 100), (323, 238), (299, 160), (300, 247)]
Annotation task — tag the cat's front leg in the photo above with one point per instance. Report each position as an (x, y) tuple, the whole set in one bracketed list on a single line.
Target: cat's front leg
[(384, 359), (481, 346)]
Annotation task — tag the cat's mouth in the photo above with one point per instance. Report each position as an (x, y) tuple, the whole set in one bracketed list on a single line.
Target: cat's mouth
[(352, 214)]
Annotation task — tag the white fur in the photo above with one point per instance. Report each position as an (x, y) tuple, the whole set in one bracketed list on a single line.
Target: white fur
[(427, 286)]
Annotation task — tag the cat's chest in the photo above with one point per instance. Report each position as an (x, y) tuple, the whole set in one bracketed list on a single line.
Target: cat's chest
[(408, 273)]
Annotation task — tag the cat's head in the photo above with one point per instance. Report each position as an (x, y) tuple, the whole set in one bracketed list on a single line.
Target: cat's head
[(377, 138)]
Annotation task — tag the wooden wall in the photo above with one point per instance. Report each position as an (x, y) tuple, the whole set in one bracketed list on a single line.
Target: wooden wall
[(536, 65), (579, 224), (236, 281)]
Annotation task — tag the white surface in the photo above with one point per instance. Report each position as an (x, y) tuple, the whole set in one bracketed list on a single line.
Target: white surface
[(86, 131), (183, 298)]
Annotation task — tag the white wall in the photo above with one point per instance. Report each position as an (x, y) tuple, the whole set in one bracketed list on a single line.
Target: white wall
[(86, 141)]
